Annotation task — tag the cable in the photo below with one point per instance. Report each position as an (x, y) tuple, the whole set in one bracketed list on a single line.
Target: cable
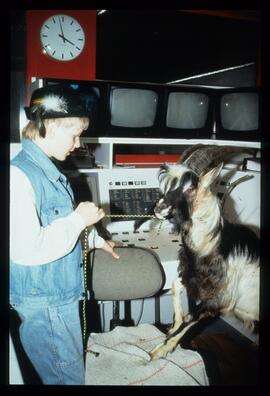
[(102, 309), (184, 369), (141, 312), (232, 186)]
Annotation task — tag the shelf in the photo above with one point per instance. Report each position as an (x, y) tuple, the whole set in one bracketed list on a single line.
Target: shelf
[(144, 141), (106, 148)]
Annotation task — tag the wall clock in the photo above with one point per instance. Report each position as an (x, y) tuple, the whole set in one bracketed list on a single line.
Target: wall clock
[(76, 62), (62, 37)]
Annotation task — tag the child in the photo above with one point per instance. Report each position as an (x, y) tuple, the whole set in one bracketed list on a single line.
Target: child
[(46, 265)]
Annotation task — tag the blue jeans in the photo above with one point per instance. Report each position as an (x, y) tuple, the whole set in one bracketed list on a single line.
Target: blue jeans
[(52, 339)]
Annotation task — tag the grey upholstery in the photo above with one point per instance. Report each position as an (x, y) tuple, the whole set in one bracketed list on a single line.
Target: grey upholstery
[(138, 273)]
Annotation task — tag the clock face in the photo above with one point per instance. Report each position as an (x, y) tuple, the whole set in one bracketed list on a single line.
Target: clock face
[(62, 37)]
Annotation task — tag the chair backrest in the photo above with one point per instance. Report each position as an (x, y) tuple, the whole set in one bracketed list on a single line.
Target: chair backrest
[(138, 273)]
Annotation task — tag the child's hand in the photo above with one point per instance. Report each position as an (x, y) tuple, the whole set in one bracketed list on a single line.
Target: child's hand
[(89, 212), (108, 247)]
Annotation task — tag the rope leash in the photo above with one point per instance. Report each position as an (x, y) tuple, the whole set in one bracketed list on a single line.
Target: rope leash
[(137, 216), (85, 280)]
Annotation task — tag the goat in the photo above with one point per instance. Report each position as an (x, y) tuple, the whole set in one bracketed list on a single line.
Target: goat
[(218, 262), (173, 178)]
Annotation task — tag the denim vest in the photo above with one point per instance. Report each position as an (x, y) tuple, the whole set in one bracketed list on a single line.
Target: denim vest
[(60, 281)]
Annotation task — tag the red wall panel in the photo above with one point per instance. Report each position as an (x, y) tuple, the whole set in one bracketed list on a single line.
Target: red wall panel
[(39, 64)]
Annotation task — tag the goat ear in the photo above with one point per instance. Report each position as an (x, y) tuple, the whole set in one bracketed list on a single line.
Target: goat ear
[(164, 166), (210, 177)]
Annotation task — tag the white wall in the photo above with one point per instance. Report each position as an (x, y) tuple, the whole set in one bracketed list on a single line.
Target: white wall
[(14, 149), (15, 375)]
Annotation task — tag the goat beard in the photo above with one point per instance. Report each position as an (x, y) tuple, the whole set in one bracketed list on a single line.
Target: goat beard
[(181, 215)]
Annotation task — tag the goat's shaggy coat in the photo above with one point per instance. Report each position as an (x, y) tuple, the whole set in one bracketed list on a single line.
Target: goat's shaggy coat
[(219, 261)]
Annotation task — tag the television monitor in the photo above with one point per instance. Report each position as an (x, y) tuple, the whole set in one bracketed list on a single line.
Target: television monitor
[(238, 114), (132, 107), (134, 110), (188, 112)]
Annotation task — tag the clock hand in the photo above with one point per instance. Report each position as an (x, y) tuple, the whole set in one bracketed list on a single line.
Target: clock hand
[(65, 39), (62, 33)]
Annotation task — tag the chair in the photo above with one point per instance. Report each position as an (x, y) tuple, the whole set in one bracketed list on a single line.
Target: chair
[(137, 274), (121, 356)]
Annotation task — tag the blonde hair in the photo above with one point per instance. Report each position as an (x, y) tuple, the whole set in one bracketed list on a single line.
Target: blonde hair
[(30, 131)]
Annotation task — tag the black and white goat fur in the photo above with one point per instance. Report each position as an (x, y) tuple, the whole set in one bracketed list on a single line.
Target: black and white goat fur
[(218, 262)]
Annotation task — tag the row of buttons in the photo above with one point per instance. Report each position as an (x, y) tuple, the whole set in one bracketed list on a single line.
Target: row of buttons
[(128, 183)]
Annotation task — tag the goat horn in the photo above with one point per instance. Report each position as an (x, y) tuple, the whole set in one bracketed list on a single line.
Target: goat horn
[(205, 155), (188, 151)]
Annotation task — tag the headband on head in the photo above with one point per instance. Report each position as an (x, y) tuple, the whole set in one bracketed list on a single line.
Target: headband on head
[(54, 101)]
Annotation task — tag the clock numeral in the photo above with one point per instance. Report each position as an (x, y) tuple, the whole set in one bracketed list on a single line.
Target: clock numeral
[(48, 27), (78, 48), (63, 19), (71, 23), (53, 52), (71, 54), (77, 30), (80, 39), (62, 56), (53, 20), (44, 35)]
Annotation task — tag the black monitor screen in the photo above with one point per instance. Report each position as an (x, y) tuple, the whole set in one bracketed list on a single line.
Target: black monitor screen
[(187, 110), (132, 107), (239, 111)]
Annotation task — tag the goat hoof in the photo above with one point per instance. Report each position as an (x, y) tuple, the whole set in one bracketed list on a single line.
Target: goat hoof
[(153, 357), (158, 352)]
